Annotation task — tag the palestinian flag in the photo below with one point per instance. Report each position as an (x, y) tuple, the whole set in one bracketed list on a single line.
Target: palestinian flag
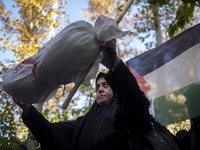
[(170, 76)]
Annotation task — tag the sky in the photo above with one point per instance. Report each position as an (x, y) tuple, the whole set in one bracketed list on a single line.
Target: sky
[(74, 10)]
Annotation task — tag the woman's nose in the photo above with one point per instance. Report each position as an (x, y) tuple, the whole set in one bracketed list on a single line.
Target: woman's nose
[(100, 89)]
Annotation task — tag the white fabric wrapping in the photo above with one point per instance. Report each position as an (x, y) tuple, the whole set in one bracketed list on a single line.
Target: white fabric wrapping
[(68, 54), (23, 85), (61, 60), (72, 51), (106, 29)]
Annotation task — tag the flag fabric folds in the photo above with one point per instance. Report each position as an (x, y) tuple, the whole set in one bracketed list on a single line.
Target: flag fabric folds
[(170, 75)]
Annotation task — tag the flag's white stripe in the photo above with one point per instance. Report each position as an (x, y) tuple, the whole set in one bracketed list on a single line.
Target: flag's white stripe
[(177, 73)]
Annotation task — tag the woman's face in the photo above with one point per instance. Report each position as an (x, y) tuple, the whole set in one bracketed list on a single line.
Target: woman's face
[(104, 92)]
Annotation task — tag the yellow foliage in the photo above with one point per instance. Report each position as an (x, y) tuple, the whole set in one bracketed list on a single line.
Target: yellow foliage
[(183, 125), (31, 29)]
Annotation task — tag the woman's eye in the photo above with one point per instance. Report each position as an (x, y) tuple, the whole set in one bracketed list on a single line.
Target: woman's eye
[(105, 84), (97, 88)]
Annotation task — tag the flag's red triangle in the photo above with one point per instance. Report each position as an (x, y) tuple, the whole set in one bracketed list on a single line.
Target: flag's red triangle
[(143, 84)]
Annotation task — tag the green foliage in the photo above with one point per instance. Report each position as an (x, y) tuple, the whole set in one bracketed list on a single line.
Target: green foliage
[(160, 2), (190, 1), (183, 16), (11, 143), (9, 123)]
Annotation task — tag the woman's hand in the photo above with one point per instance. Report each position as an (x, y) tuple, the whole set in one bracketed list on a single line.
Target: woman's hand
[(109, 56), (110, 46), (24, 107)]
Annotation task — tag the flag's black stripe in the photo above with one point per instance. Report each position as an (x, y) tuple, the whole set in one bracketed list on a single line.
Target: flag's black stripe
[(155, 58)]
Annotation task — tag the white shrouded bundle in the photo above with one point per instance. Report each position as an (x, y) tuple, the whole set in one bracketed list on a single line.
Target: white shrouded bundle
[(24, 85), (68, 54), (62, 60)]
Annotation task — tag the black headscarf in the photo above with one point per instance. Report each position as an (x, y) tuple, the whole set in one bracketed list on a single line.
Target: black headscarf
[(101, 74)]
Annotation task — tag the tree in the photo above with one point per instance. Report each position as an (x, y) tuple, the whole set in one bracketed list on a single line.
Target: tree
[(140, 20), (8, 121), (24, 35), (31, 28), (184, 15), (185, 18)]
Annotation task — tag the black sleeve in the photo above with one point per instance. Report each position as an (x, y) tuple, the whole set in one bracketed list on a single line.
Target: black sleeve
[(195, 126), (50, 135), (190, 139), (132, 100)]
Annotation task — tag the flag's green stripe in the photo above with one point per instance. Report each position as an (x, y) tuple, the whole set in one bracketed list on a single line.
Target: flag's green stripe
[(179, 105)]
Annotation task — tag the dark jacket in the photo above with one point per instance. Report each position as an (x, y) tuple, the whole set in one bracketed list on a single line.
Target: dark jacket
[(103, 127)]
